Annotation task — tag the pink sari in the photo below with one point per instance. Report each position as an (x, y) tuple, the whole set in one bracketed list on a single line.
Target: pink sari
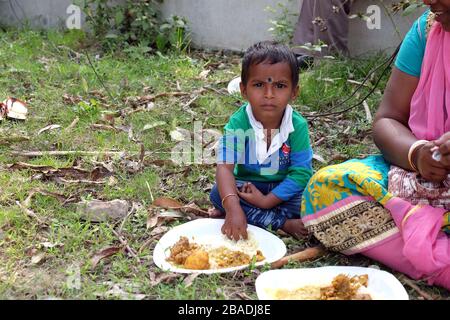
[(425, 248)]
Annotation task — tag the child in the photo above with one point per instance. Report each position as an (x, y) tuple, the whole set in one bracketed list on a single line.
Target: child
[(264, 159)]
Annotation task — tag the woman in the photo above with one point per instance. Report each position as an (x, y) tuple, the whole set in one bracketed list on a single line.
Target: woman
[(394, 208)]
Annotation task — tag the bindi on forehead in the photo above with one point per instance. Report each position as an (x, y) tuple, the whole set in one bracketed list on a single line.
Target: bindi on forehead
[(269, 80)]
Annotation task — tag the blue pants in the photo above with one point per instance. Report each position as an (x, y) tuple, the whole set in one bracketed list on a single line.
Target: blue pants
[(273, 218)]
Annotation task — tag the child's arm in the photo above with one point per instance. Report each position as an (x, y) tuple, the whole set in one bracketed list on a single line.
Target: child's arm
[(235, 225)]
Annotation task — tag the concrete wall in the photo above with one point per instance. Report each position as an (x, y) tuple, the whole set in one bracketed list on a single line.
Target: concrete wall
[(223, 24), (236, 24), (39, 13), (226, 24)]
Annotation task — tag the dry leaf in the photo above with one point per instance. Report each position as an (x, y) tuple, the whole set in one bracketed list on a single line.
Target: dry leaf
[(319, 158), (180, 134), (50, 245), (190, 279), (204, 74), (104, 253), (153, 125), (118, 292), (167, 203), (158, 218), (163, 278), (38, 258), (158, 231), (48, 128), (243, 296)]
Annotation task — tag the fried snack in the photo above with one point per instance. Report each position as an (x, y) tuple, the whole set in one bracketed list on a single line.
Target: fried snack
[(181, 250), (345, 288), (198, 260)]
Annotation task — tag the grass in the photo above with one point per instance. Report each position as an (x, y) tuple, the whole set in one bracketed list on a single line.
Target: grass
[(51, 72)]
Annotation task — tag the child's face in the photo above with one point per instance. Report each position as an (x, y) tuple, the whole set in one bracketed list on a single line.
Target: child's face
[(269, 89)]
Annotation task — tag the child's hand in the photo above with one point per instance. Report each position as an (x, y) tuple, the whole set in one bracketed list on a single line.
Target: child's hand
[(235, 226), (252, 195)]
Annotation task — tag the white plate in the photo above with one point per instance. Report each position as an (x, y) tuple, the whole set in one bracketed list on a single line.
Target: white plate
[(209, 231), (233, 86), (382, 285)]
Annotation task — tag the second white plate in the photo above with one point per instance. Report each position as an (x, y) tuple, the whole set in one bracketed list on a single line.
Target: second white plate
[(381, 286)]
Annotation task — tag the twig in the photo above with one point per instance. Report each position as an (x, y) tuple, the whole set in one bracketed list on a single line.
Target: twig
[(150, 191), (125, 243), (132, 210), (72, 125), (186, 106), (307, 254), (31, 154), (367, 109), (416, 288), (98, 77)]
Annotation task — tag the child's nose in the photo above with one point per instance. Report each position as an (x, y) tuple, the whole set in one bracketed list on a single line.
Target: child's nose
[(268, 92)]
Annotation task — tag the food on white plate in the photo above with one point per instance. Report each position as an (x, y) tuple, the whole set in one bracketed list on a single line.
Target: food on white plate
[(204, 256), (342, 287)]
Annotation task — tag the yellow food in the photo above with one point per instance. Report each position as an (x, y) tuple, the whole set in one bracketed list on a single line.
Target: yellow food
[(198, 260)]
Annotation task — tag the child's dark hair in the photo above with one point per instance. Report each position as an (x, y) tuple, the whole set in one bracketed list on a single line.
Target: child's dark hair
[(271, 52)]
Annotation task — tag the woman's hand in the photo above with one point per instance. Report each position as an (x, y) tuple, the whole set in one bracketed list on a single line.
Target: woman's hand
[(443, 146), (429, 168), (235, 226)]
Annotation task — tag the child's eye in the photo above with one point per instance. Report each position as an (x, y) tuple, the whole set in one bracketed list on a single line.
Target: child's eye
[(258, 85), (281, 85)]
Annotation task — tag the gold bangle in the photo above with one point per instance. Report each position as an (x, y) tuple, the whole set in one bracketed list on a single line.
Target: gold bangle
[(413, 147), (228, 195)]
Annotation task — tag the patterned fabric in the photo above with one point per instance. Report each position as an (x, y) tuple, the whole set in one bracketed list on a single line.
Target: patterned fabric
[(412, 187), (291, 164), (344, 205), (272, 219)]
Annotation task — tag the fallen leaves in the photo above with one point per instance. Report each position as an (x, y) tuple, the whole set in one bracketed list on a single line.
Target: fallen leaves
[(68, 175), (157, 217), (49, 128), (104, 253), (156, 279), (38, 258)]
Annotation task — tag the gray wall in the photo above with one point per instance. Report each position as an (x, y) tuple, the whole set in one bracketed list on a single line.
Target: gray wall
[(39, 13), (236, 24), (222, 24)]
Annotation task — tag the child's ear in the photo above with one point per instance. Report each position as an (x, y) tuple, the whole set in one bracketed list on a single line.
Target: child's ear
[(243, 90), (295, 93)]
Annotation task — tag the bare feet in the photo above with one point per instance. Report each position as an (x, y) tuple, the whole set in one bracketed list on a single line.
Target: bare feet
[(216, 213), (295, 228)]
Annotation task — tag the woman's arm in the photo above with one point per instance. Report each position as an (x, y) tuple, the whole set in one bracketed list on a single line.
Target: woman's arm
[(390, 128), (392, 134)]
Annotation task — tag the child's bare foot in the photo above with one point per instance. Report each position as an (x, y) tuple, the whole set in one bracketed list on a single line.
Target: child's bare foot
[(216, 213), (295, 228)]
